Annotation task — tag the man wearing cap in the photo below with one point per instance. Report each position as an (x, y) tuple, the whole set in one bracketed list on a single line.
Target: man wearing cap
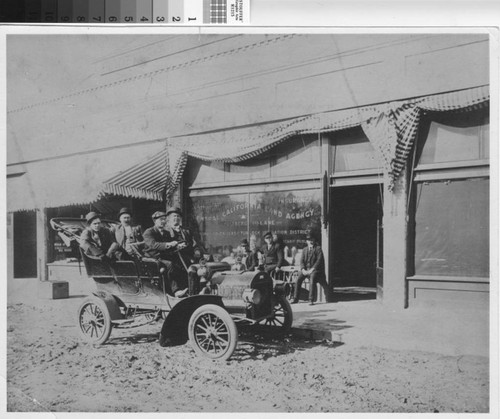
[(312, 266), (274, 256), (160, 246), (97, 240), (128, 237), (249, 259)]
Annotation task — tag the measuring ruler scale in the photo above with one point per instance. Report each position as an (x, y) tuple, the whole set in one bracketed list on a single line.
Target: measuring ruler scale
[(171, 12)]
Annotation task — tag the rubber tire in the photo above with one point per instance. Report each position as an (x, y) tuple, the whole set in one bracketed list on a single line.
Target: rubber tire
[(287, 320), (212, 313), (99, 329)]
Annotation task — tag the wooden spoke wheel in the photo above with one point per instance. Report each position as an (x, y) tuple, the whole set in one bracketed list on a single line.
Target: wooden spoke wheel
[(281, 316), (94, 323), (212, 332)]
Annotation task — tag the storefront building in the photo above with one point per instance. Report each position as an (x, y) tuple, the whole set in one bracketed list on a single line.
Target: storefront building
[(420, 237), (377, 144)]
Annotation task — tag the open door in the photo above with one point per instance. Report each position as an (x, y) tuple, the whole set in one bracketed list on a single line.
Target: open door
[(356, 238)]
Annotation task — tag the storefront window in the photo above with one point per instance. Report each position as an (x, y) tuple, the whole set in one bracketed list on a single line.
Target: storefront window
[(353, 151), (222, 221), (457, 138), (290, 214), (297, 156), (452, 228)]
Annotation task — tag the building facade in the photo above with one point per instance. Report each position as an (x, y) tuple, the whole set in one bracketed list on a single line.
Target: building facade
[(378, 143)]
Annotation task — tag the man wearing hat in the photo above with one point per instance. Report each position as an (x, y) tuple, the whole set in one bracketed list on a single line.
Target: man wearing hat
[(97, 240), (159, 245), (312, 266), (181, 235), (274, 255), (128, 237), (249, 259)]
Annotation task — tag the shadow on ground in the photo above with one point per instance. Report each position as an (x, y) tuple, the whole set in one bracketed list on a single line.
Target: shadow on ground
[(253, 343), (319, 320), (354, 294)]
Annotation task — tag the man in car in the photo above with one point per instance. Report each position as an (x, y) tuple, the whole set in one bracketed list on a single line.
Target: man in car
[(160, 246), (274, 256), (178, 233), (312, 266), (128, 237), (249, 258), (97, 240)]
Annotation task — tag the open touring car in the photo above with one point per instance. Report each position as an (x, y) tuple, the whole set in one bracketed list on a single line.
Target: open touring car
[(133, 292)]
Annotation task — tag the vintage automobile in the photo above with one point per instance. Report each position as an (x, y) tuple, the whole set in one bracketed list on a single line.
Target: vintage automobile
[(133, 293)]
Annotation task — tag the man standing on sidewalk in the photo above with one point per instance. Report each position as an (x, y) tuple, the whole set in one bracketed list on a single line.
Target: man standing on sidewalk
[(312, 266)]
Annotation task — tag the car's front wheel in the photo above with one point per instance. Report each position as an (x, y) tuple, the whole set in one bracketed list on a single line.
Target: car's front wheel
[(94, 321), (212, 332), (281, 316)]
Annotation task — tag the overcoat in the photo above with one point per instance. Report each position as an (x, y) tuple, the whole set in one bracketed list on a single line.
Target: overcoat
[(91, 247)]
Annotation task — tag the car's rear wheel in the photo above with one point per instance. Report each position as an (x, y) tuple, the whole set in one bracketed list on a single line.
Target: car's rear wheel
[(94, 322), (281, 316), (212, 332)]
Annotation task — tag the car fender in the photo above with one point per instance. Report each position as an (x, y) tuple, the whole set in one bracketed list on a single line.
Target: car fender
[(111, 304), (175, 326)]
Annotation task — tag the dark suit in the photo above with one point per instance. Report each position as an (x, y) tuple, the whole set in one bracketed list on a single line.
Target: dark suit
[(183, 235), (274, 257), (92, 247), (157, 246), (124, 241), (312, 259), (251, 261)]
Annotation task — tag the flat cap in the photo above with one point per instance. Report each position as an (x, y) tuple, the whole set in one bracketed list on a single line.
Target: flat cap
[(158, 214), (268, 234), (124, 210)]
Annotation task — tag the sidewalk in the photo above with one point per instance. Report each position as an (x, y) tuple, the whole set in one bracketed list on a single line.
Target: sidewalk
[(448, 331)]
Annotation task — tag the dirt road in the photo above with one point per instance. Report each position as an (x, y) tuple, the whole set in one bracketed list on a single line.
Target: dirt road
[(49, 368)]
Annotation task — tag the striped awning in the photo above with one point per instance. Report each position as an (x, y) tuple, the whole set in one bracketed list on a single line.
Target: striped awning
[(74, 180), (147, 179)]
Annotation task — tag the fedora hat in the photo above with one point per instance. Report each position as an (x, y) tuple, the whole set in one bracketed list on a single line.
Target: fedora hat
[(158, 214), (124, 210), (92, 216), (311, 236), (175, 210)]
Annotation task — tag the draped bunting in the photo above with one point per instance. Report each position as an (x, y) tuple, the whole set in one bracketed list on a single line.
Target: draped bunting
[(178, 160), (391, 128)]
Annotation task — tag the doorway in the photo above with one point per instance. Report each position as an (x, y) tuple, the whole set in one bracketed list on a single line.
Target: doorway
[(25, 252), (356, 240)]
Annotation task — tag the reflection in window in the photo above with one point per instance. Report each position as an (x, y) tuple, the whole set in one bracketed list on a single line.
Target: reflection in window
[(353, 151), (220, 222), (452, 228), (200, 172), (256, 168), (459, 138), (291, 214), (297, 156)]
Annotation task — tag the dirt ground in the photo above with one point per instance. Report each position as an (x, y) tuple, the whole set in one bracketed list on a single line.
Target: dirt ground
[(49, 368)]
